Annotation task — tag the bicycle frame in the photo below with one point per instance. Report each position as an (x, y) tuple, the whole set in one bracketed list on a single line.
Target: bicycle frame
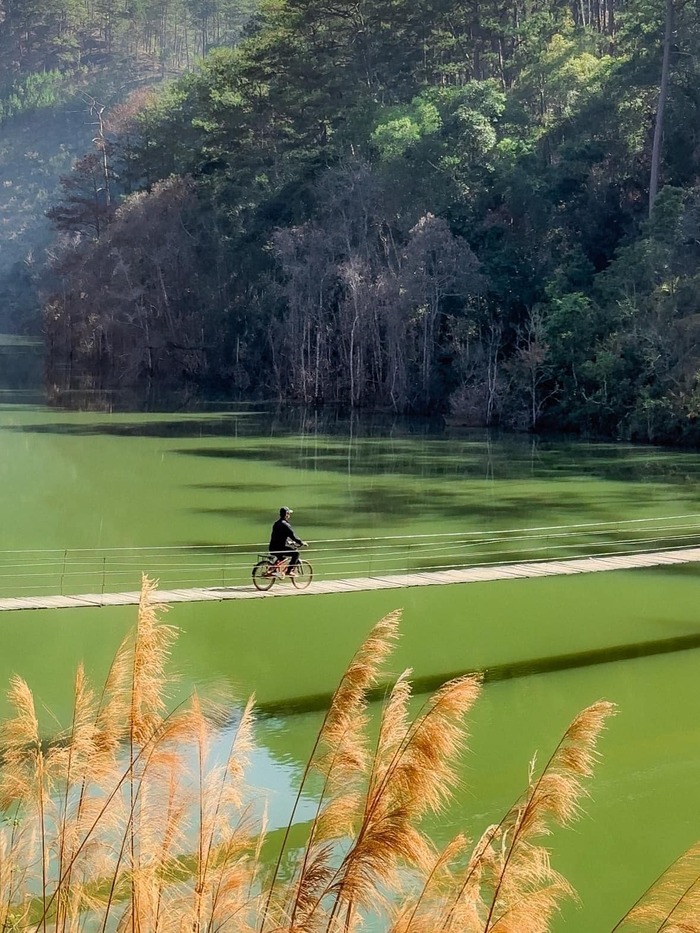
[(271, 567)]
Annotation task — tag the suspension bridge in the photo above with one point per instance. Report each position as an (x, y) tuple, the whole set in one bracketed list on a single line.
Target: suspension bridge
[(72, 578)]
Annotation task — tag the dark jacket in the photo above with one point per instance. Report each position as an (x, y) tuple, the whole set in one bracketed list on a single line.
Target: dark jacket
[(281, 531)]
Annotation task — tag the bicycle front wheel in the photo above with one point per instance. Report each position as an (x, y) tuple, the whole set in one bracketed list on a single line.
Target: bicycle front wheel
[(262, 575), (303, 576)]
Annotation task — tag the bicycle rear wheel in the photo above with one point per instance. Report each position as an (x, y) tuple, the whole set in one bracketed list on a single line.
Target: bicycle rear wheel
[(262, 575), (303, 576)]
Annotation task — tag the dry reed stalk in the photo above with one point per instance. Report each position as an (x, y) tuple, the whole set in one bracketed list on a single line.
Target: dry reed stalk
[(672, 903), (416, 914), (134, 841), (100, 808), (226, 832), (26, 778), (509, 885), (112, 717), (412, 773), (74, 761), (149, 676), (69, 801), (341, 802), (157, 824), (219, 883), (150, 654), (340, 746), (17, 855), (98, 729)]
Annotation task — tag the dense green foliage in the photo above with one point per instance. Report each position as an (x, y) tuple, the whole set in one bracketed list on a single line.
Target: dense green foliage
[(418, 204)]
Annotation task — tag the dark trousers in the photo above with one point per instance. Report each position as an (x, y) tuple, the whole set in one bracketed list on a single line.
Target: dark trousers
[(292, 555)]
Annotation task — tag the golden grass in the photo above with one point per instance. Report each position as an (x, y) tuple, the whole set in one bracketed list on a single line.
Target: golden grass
[(124, 824)]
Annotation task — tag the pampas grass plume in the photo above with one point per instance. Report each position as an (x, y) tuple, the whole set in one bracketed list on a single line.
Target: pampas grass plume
[(124, 823)]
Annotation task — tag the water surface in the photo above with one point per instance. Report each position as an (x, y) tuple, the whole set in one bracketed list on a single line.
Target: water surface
[(216, 476)]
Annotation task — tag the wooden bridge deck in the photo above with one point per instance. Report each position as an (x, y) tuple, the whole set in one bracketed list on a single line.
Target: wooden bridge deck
[(482, 574)]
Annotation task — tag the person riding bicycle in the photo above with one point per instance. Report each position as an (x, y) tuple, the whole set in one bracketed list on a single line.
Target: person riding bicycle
[(282, 532)]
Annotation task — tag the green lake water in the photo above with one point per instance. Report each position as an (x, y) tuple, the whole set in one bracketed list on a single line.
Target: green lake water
[(216, 477)]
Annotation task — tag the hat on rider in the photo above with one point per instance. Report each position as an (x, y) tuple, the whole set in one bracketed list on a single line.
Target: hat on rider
[(285, 511)]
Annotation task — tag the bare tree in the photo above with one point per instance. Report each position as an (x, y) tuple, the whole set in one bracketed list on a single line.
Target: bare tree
[(85, 207), (126, 301), (363, 314), (528, 367), (437, 266)]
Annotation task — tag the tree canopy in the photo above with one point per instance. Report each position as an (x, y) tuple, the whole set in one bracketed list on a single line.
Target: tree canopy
[(419, 204)]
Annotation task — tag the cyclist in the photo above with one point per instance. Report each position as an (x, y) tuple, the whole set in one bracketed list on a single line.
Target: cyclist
[(281, 533)]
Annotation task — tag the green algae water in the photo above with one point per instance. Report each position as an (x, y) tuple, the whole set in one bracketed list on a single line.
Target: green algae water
[(644, 801), (217, 475), (213, 478)]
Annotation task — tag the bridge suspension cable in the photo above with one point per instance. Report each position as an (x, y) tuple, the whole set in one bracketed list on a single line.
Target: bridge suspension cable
[(99, 570)]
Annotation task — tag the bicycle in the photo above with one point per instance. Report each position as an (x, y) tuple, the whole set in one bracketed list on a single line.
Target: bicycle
[(269, 568)]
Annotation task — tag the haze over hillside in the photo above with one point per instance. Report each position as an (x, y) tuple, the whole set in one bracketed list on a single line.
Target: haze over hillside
[(35, 150), (58, 58)]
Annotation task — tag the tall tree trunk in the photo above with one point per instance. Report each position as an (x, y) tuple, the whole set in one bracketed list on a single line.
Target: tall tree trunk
[(661, 106), (493, 349), (611, 17)]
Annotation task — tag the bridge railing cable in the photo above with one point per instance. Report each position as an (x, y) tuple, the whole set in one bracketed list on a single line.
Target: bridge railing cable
[(98, 570)]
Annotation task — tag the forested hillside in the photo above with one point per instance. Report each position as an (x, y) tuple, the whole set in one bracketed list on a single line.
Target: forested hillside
[(490, 210), (63, 65)]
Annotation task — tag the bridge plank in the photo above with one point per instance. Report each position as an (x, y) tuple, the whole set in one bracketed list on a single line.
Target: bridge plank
[(521, 570)]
